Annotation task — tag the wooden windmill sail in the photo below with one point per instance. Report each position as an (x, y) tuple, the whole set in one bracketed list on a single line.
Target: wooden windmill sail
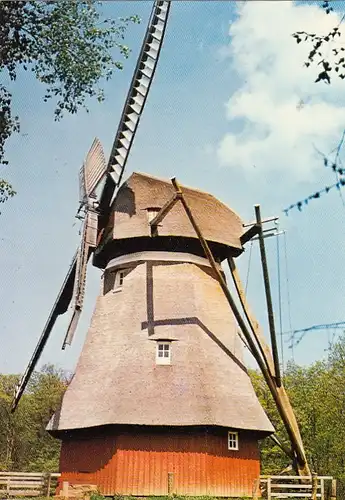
[(161, 372)]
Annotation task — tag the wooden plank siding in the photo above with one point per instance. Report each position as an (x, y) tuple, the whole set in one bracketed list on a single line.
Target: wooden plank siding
[(145, 462)]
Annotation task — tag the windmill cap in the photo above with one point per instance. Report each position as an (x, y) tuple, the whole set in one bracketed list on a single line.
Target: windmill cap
[(141, 193)]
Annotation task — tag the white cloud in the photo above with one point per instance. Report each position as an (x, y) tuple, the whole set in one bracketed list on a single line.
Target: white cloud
[(276, 132)]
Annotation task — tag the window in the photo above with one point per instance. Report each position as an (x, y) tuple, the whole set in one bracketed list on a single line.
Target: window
[(113, 280), (119, 279), (232, 440), (163, 353), (151, 213)]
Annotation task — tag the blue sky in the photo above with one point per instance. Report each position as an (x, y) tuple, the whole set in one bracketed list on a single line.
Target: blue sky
[(221, 116)]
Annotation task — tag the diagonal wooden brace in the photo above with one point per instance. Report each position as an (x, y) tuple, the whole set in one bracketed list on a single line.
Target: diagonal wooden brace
[(254, 325)]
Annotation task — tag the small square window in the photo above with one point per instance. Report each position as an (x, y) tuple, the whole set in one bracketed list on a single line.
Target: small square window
[(232, 440), (163, 353)]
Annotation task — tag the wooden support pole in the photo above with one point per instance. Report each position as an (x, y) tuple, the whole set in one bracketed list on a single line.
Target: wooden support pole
[(170, 483), (264, 349), (322, 488), (268, 297), (256, 489), (281, 399), (313, 486), (65, 489), (48, 484), (254, 325), (269, 488), (334, 490)]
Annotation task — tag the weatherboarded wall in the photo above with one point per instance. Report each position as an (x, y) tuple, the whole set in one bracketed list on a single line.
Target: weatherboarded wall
[(137, 462)]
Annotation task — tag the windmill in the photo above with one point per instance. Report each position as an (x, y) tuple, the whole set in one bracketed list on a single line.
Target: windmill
[(160, 388)]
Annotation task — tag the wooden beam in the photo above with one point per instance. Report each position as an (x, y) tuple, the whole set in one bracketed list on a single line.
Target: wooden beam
[(170, 483), (269, 490), (256, 489), (248, 235), (334, 490), (322, 485), (281, 399), (268, 297), (254, 325), (48, 484), (314, 486), (264, 477)]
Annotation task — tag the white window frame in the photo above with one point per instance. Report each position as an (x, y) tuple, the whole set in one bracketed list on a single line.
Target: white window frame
[(119, 279), (232, 440), (162, 347)]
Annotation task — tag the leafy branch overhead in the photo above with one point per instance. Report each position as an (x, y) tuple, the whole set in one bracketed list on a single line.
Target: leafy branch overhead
[(334, 163), (68, 46), (316, 54)]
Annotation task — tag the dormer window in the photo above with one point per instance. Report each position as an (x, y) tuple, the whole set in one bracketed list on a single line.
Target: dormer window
[(163, 353), (152, 212)]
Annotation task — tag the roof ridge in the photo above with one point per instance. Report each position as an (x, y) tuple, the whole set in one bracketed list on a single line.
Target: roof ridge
[(167, 181), (189, 188)]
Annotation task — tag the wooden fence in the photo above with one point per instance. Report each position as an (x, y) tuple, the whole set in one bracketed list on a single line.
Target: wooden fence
[(27, 484), (297, 487)]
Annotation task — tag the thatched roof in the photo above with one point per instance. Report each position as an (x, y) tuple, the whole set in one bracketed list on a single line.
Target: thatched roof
[(140, 192), (117, 380)]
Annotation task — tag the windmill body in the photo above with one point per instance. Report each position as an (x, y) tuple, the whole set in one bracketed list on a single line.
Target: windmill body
[(160, 381)]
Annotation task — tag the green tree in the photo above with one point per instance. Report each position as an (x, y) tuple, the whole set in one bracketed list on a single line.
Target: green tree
[(68, 46), (24, 443), (318, 397)]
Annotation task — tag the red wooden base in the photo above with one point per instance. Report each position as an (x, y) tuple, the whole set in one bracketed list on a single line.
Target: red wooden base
[(152, 461)]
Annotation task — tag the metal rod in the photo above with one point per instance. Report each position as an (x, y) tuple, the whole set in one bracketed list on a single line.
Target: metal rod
[(269, 229), (268, 235), (268, 298), (278, 393), (270, 219)]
